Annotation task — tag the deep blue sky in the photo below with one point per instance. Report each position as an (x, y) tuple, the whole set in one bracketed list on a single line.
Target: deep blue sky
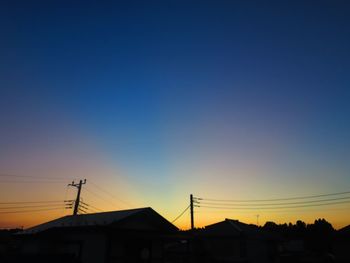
[(169, 89)]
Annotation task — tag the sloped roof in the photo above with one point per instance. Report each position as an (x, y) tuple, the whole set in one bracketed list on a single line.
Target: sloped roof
[(344, 230), (230, 227), (95, 219), (235, 228)]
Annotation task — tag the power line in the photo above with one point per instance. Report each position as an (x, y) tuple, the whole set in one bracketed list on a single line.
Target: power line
[(82, 213), (65, 197), (272, 200), (93, 210), (31, 182), (93, 207), (84, 206), (33, 177), (13, 179), (108, 193), (270, 208), (29, 206), (30, 211), (99, 196), (81, 209), (278, 204), (33, 202), (181, 214)]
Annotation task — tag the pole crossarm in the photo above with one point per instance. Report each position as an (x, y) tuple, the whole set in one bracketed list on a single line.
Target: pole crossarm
[(77, 201)]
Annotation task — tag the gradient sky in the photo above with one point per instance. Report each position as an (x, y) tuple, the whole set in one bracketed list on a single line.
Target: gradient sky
[(154, 100)]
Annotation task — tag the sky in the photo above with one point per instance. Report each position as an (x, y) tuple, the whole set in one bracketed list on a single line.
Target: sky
[(152, 101)]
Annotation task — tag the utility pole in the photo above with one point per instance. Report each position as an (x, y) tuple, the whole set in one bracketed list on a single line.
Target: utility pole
[(191, 209), (77, 201)]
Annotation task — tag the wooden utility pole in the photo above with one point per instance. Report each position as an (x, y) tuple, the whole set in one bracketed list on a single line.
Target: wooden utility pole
[(191, 209), (77, 200)]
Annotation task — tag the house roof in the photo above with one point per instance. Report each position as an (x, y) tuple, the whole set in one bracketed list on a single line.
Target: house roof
[(235, 228), (344, 230), (230, 227), (100, 219)]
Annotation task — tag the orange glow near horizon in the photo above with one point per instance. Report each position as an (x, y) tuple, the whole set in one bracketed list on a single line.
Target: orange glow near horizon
[(111, 186), (234, 101)]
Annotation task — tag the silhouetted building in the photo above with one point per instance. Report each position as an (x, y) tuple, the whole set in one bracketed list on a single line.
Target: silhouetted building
[(341, 247), (234, 241), (136, 235)]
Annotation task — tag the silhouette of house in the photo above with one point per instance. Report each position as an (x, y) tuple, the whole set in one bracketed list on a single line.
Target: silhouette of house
[(342, 244), (234, 241), (136, 235)]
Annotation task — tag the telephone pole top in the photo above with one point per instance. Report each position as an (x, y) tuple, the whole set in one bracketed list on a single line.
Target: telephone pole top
[(77, 201), (191, 209)]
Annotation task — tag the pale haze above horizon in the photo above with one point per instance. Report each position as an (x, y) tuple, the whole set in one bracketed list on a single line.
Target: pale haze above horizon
[(152, 101)]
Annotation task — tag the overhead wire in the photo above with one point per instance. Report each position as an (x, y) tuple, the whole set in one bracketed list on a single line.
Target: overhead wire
[(30, 206), (277, 204), (102, 193), (99, 196), (31, 182), (28, 179), (181, 214), (91, 207), (33, 202), (30, 211), (275, 199), (65, 197), (86, 207), (82, 209), (108, 193), (33, 177), (271, 208)]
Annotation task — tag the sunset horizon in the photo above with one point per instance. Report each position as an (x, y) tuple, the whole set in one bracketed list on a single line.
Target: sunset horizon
[(243, 104)]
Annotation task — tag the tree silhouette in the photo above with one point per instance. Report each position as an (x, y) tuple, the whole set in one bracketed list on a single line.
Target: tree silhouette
[(320, 236)]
